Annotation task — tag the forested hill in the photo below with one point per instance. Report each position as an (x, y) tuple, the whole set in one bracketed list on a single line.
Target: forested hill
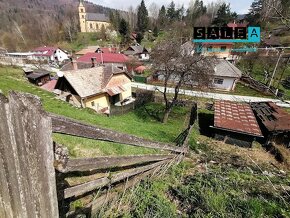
[(28, 23)]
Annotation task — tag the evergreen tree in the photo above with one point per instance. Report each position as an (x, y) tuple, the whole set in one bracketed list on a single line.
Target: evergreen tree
[(162, 19), (123, 27), (197, 10), (171, 12), (224, 15), (254, 15), (142, 17), (155, 31)]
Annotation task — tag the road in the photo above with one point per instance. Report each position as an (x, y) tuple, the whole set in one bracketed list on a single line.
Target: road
[(216, 96)]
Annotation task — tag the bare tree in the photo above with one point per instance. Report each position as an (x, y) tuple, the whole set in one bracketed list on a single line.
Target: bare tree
[(275, 7), (177, 68)]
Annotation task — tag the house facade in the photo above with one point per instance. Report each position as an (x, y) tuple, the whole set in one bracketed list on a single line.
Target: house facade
[(91, 22), (226, 75), (97, 88), (137, 51), (49, 54)]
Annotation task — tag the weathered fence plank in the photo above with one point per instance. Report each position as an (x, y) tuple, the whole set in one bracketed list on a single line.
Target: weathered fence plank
[(71, 127), (96, 204), (27, 179), (90, 164), (90, 186)]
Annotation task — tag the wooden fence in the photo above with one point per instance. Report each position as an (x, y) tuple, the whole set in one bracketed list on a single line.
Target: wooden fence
[(41, 180)]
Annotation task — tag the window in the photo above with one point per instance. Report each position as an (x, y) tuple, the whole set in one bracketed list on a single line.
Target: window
[(83, 16), (93, 104), (218, 81), (82, 10), (91, 25), (209, 48), (97, 26), (223, 48)]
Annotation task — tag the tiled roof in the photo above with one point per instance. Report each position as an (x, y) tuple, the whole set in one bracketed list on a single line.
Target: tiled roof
[(88, 82), (45, 51), (135, 49), (49, 86), (237, 117), (105, 57)]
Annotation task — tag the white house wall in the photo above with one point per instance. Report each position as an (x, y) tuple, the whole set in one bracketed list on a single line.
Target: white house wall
[(228, 83)]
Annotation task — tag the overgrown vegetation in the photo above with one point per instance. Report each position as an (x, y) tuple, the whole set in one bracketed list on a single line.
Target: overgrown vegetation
[(222, 181)]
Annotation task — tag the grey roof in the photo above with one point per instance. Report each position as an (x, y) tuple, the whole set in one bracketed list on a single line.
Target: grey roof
[(92, 81), (224, 68), (97, 17), (36, 75), (135, 49), (241, 16)]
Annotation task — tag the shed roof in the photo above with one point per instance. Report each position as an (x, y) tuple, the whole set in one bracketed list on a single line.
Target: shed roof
[(236, 117), (92, 81), (224, 68), (37, 75), (273, 117)]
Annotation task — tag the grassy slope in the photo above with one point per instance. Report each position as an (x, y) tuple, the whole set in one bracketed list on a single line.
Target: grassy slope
[(137, 123), (258, 74)]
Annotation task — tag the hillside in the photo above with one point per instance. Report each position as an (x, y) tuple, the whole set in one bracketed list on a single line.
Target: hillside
[(28, 23)]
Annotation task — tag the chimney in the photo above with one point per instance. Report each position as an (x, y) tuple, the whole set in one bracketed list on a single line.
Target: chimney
[(74, 64), (93, 62)]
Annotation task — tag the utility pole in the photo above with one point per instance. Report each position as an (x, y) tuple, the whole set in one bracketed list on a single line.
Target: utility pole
[(271, 81)]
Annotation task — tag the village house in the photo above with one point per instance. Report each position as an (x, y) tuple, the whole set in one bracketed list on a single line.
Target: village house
[(137, 51), (226, 75), (96, 49), (38, 77), (235, 123), (219, 50), (91, 22), (49, 54), (98, 88), (94, 59)]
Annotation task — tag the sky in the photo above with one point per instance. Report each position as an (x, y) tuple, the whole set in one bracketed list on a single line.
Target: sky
[(239, 6)]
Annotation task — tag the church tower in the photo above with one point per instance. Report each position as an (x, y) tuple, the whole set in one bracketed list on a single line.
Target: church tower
[(82, 15)]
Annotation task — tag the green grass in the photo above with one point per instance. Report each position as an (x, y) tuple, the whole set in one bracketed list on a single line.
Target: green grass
[(137, 122), (242, 89), (258, 72)]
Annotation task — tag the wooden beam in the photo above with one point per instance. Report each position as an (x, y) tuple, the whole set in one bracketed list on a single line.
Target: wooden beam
[(90, 164), (68, 126), (90, 186)]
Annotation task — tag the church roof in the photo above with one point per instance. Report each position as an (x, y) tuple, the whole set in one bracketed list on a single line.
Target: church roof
[(97, 17)]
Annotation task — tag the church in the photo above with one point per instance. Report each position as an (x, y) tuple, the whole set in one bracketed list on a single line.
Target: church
[(91, 22)]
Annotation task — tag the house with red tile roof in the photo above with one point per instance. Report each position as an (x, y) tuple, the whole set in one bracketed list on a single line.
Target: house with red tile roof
[(104, 58), (49, 54)]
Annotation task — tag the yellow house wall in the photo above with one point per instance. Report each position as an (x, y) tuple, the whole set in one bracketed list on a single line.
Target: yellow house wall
[(220, 54), (123, 80), (101, 101)]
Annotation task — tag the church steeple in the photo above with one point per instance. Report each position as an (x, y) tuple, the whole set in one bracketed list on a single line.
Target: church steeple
[(82, 15)]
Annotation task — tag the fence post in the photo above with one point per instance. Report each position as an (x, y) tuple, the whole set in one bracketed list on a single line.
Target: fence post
[(27, 176)]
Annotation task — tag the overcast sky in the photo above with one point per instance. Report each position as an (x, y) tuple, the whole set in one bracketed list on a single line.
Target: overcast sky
[(240, 6)]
